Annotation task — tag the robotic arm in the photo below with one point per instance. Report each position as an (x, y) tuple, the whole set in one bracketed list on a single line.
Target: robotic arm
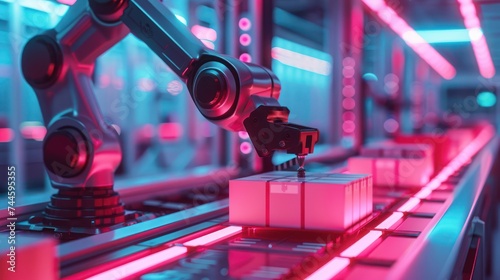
[(81, 150)]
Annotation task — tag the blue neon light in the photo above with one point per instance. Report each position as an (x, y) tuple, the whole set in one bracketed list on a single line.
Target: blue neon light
[(486, 99), (445, 36)]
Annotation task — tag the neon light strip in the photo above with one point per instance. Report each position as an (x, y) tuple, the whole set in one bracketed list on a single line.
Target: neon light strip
[(360, 245), (48, 7), (6, 134), (67, 2), (34, 132), (410, 204), (445, 36), (423, 193), (479, 45), (330, 269), (301, 61), (456, 163), (390, 221), (412, 38), (213, 236), (139, 265)]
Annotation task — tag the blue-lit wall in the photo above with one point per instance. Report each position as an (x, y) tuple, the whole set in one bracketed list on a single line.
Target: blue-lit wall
[(305, 75)]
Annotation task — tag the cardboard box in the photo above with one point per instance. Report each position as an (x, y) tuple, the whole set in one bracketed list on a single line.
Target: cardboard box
[(365, 191), (286, 199), (329, 204), (321, 202), (444, 150), (400, 172), (397, 150)]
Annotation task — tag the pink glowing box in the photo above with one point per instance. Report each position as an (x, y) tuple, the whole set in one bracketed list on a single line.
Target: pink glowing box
[(395, 164), (317, 202)]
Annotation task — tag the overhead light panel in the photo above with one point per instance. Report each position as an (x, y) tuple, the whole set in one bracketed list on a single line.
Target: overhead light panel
[(445, 36), (478, 41), (412, 38)]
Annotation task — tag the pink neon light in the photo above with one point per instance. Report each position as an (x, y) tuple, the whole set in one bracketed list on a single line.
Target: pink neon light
[(204, 33), (301, 61), (423, 193), (213, 236), (412, 38), (174, 87), (170, 131), (478, 41), (146, 132), (104, 80), (390, 221), (146, 84), (118, 83), (139, 265), (245, 148), (208, 44), (6, 134), (391, 125), (410, 204), (348, 103), (245, 24), (245, 57), (330, 269), (348, 126), (67, 2), (348, 91), (360, 245), (348, 116), (243, 135), (34, 132), (245, 39)]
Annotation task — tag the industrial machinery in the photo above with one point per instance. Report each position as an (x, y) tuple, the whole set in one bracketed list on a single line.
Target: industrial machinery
[(144, 139)]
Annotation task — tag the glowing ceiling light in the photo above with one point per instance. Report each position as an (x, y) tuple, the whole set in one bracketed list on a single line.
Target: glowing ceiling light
[(301, 61), (445, 36), (412, 38), (478, 41)]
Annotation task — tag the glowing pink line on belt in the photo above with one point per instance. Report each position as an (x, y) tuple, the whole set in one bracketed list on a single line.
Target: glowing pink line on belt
[(330, 269), (360, 245), (139, 265), (213, 236), (390, 221)]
